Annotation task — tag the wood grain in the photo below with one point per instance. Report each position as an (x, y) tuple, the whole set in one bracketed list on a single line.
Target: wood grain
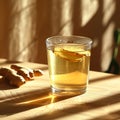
[(34, 101)]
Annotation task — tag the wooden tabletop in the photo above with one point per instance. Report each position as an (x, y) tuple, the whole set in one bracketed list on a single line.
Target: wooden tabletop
[(34, 101)]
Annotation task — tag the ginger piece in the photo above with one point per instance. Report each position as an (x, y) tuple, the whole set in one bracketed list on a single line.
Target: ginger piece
[(12, 78), (17, 68), (37, 72), (24, 73), (1, 79), (27, 73)]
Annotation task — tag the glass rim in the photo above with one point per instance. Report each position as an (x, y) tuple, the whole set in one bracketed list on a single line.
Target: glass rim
[(84, 39)]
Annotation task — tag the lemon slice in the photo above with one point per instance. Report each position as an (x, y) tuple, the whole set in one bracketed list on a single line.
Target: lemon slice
[(70, 53)]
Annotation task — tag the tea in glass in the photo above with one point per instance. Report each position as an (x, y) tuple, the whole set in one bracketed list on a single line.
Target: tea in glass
[(68, 62)]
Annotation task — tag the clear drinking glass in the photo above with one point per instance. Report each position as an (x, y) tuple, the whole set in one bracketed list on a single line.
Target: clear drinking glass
[(68, 63)]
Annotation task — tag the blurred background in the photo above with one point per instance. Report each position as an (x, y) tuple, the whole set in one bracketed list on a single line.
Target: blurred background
[(25, 25)]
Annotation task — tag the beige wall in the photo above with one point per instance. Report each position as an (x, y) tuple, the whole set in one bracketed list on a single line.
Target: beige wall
[(96, 19), (3, 29)]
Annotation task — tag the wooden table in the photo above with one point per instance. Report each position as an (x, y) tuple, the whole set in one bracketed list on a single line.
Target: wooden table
[(33, 100)]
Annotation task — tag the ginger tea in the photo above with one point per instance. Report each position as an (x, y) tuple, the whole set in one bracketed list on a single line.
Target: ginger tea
[(68, 67)]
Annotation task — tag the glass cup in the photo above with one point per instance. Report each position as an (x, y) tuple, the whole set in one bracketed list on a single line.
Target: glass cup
[(68, 63)]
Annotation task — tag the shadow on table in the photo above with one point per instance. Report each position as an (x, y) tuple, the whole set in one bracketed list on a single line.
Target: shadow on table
[(83, 107), (30, 100), (110, 76), (23, 102), (43, 97), (111, 116)]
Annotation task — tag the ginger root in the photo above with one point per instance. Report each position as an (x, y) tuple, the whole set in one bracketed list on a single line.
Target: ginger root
[(12, 78), (18, 75), (27, 73), (37, 72)]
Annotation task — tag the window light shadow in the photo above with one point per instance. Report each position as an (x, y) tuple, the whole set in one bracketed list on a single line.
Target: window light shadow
[(111, 116), (79, 108)]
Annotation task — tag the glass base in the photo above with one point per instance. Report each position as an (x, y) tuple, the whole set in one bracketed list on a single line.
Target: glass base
[(68, 92)]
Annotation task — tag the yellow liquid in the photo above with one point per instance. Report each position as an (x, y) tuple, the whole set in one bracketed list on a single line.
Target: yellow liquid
[(68, 67)]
